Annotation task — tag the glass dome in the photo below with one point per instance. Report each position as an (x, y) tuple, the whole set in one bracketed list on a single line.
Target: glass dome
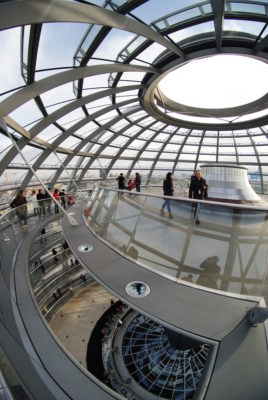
[(79, 89)]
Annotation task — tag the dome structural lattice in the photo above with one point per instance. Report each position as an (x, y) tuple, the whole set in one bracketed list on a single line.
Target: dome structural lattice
[(80, 95)]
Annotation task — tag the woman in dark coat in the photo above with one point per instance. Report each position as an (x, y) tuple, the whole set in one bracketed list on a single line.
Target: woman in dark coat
[(168, 191)]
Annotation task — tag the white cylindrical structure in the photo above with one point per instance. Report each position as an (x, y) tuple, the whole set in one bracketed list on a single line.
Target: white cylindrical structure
[(228, 183)]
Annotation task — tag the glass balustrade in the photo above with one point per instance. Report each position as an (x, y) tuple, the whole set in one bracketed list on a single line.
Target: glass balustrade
[(54, 279), (222, 247)]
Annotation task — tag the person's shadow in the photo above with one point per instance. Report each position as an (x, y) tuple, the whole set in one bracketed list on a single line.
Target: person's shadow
[(210, 272)]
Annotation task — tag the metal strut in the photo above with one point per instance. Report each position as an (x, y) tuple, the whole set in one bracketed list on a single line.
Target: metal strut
[(63, 166), (71, 219)]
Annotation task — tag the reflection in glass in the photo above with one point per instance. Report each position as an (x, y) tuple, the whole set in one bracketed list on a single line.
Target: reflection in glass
[(227, 251)]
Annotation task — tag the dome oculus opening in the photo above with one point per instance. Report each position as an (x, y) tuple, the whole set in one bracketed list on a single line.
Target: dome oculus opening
[(217, 82)]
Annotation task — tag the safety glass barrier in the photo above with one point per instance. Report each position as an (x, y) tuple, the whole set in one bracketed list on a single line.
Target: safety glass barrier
[(55, 277), (10, 384), (15, 225), (213, 245)]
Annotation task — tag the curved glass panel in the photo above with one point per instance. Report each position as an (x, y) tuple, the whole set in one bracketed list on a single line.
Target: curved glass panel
[(213, 245)]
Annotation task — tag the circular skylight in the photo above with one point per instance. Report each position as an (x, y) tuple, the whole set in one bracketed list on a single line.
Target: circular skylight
[(221, 81)]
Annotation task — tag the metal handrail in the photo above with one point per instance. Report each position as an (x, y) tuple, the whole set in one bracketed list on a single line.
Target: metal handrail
[(187, 200)]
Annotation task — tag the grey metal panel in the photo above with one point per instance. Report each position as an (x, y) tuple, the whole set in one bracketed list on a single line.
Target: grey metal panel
[(67, 373), (241, 369), (182, 307), (15, 341)]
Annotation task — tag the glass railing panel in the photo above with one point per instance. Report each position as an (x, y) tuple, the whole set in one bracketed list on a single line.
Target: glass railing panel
[(122, 217), (216, 246), (10, 384), (213, 216), (91, 212), (8, 239), (10, 236), (159, 240), (54, 286)]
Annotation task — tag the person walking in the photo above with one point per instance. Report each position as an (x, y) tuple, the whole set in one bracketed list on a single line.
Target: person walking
[(137, 182), (56, 197), (43, 237), (54, 252), (198, 190), (168, 191)]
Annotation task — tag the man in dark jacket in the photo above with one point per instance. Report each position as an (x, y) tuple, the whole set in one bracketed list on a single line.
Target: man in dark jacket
[(121, 182), (198, 190), (40, 198)]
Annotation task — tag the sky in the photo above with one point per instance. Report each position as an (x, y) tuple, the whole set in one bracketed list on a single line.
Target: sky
[(217, 82)]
